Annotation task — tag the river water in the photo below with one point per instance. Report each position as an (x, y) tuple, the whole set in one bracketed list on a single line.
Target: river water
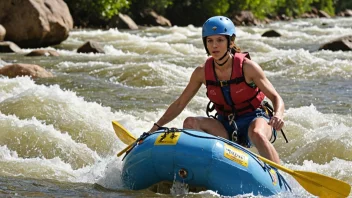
[(56, 137)]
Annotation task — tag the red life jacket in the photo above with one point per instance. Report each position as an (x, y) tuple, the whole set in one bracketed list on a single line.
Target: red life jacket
[(245, 98)]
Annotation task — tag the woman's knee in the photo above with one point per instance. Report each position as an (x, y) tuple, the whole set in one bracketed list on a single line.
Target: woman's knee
[(190, 123), (257, 135)]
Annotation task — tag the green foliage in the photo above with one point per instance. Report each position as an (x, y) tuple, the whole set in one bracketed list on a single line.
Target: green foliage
[(294, 7), (94, 11), (185, 12), (158, 6), (215, 7), (263, 8), (109, 8), (325, 5), (259, 8)]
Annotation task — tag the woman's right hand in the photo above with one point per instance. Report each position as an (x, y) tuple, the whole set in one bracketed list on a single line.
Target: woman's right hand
[(154, 128)]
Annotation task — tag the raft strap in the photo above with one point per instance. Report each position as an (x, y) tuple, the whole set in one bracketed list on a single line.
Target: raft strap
[(138, 141), (169, 130)]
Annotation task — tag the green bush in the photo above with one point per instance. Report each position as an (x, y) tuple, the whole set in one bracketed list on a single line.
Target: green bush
[(93, 12)]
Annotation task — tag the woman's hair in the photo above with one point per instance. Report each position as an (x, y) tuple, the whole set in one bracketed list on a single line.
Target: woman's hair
[(235, 48)]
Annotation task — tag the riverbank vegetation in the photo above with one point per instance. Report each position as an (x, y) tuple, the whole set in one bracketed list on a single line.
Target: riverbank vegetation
[(88, 13)]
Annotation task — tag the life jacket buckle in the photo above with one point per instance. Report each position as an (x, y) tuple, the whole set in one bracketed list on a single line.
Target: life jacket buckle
[(224, 83)]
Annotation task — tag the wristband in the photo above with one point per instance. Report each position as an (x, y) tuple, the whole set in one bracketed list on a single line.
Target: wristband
[(155, 124)]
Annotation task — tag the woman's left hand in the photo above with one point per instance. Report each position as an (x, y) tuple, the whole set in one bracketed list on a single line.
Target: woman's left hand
[(277, 122)]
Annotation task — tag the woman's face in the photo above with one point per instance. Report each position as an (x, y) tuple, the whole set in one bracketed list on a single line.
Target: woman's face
[(216, 45)]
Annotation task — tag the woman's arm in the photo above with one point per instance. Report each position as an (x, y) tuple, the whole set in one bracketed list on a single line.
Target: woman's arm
[(254, 73)]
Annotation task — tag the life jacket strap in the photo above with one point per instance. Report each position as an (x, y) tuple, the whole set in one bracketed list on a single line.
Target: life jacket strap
[(222, 83)]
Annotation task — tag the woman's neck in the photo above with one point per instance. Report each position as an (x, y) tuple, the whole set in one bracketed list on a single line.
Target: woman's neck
[(224, 72), (225, 63)]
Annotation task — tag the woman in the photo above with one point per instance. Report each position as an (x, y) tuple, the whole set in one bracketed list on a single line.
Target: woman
[(237, 86)]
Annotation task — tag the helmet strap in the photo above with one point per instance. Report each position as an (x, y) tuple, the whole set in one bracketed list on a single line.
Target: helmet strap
[(222, 64), (223, 56)]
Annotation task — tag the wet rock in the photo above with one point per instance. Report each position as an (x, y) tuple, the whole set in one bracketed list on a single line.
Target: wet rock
[(271, 33), (9, 47), (20, 69), (343, 44), (90, 46), (43, 53)]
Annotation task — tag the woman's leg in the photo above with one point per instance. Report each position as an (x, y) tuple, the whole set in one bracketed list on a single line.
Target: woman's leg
[(208, 125), (259, 133)]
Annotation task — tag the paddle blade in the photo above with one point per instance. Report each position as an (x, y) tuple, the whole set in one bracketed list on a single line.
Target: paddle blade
[(321, 185), (122, 133)]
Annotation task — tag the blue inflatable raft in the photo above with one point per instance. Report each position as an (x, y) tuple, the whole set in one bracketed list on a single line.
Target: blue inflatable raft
[(202, 161)]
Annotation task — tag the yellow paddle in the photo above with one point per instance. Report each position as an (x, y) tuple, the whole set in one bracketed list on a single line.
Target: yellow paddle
[(122, 133), (315, 183), (125, 136)]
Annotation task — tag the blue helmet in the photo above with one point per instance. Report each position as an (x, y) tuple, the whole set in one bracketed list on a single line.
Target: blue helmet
[(218, 25)]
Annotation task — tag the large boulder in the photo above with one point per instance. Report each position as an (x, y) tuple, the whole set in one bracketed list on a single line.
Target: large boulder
[(150, 17), (126, 22), (35, 23), (244, 18), (348, 13)]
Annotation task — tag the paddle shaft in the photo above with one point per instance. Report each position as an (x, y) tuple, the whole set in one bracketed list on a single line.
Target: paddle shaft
[(284, 169), (125, 150)]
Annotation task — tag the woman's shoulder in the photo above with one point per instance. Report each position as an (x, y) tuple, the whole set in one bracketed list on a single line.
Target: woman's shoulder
[(199, 73), (199, 70), (250, 64), (251, 68), (200, 67)]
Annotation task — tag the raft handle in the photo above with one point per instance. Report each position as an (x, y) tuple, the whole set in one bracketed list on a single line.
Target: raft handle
[(183, 173)]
